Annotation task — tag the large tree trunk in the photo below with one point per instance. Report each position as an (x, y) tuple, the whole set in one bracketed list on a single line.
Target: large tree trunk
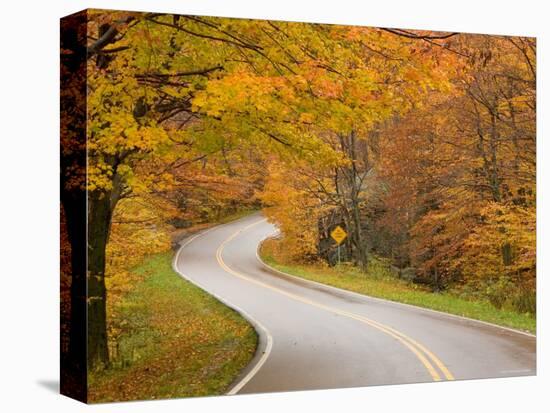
[(101, 205), (99, 221)]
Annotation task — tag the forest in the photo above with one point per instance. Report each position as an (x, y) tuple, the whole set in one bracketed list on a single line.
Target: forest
[(420, 144)]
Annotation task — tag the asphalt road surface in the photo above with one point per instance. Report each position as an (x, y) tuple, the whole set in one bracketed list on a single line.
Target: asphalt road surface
[(317, 337)]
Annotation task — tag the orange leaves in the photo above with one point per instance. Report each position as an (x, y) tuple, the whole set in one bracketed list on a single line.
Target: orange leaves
[(411, 75), (328, 88)]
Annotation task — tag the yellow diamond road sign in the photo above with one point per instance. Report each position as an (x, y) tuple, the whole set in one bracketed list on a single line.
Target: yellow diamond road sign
[(338, 234)]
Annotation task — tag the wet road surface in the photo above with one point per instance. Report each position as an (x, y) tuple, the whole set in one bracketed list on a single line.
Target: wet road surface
[(317, 337)]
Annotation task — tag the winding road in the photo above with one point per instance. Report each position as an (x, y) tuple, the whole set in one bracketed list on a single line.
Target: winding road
[(319, 337)]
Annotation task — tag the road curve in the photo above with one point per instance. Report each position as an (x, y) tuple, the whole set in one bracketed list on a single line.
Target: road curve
[(317, 337)]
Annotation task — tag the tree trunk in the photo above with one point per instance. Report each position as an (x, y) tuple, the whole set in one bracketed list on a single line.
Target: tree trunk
[(435, 279), (494, 177), (99, 222), (349, 192), (355, 189)]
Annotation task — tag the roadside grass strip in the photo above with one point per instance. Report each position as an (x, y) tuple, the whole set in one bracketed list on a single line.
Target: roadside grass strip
[(377, 282), (176, 340)]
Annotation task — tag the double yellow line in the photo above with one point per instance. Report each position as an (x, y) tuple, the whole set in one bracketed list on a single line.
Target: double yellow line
[(426, 357)]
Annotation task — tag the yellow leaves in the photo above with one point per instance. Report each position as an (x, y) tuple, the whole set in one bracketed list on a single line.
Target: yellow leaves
[(145, 138), (306, 118), (166, 182), (501, 227), (138, 230), (291, 203), (242, 92), (99, 176)]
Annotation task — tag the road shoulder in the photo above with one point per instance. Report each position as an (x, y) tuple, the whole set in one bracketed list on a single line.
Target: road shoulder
[(442, 304)]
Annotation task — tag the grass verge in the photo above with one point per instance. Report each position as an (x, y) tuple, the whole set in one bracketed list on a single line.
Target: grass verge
[(175, 340), (378, 282)]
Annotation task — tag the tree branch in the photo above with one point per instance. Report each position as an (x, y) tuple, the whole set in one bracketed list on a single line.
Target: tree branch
[(410, 35)]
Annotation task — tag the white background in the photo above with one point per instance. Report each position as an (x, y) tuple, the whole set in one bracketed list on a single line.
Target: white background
[(29, 199)]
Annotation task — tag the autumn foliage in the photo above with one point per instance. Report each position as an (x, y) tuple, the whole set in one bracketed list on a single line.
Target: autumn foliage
[(420, 144)]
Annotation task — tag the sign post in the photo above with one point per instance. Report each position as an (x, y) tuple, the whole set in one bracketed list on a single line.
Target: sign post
[(339, 235)]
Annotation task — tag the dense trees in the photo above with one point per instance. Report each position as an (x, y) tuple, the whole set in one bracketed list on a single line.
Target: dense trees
[(444, 186), (421, 144), (470, 163)]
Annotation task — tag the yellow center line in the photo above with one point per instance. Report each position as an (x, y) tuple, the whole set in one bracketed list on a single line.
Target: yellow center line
[(420, 351)]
